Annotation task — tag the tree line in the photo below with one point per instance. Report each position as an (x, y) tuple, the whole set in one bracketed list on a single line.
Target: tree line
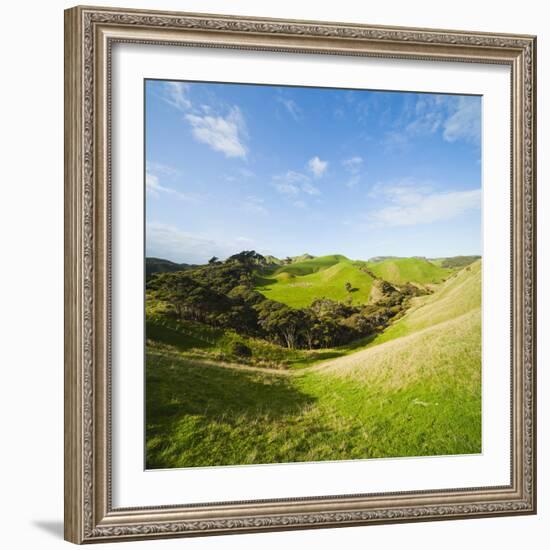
[(221, 294)]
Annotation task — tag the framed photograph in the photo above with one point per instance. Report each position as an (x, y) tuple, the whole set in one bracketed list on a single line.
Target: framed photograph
[(300, 274)]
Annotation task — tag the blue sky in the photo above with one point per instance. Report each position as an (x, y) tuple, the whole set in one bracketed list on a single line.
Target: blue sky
[(289, 170)]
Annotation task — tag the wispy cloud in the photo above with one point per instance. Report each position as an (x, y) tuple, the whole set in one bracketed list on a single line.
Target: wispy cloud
[(153, 173), (176, 94), (465, 122), (287, 188), (162, 169), (310, 189), (293, 183), (292, 107), (170, 242), (407, 203), (223, 132), (317, 166), (254, 205), (353, 166), (453, 117)]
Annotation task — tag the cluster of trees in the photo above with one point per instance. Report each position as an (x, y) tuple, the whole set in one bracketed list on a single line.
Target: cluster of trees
[(221, 294)]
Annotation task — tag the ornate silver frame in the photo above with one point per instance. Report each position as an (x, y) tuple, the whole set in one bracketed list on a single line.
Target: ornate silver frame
[(89, 36)]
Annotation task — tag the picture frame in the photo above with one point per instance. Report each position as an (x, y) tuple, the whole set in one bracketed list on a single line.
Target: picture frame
[(90, 35)]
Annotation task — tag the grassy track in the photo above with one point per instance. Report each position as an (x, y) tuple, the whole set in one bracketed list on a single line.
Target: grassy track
[(414, 390)]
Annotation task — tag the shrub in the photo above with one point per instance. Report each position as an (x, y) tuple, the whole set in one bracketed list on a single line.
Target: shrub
[(241, 350)]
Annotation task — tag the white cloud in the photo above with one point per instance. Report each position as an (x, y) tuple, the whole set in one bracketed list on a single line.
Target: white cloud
[(353, 165), (287, 188), (292, 107), (414, 204), (299, 204), (176, 94), (293, 183), (223, 134), (310, 189), (171, 243), (465, 122), (426, 123), (292, 177), (155, 188), (152, 184), (162, 169), (317, 166), (454, 117)]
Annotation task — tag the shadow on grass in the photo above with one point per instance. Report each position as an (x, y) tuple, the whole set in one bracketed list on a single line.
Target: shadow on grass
[(167, 335), (332, 353), (192, 388), (192, 409), (262, 281)]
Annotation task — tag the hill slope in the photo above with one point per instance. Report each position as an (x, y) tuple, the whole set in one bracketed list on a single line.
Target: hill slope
[(414, 391), (439, 326), (299, 284), (404, 270), (158, 265)]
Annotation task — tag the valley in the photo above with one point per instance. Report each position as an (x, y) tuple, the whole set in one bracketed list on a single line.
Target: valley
[(256, 361)]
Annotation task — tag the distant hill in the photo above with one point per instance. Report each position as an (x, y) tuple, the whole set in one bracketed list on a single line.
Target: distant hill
[(299, 280), (300, 283), (455, 262), (377, 259), (302, 258), (158, 265), (408, 270), (272, 260)]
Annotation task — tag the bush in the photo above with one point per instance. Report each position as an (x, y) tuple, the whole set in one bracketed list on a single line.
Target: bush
[(241, 350)]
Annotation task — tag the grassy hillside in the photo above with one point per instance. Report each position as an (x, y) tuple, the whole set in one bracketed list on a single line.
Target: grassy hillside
[(415, 390), (311, 265), (196, 341), (455, 262), (414, 270), (158, 265), (459, 295), (299, 284)]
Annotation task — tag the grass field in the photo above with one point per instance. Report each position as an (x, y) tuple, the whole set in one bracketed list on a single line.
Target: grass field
[(403, 270), (299, 284), (413, 390)]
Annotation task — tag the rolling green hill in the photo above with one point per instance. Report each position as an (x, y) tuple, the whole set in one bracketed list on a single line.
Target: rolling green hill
[(414, 270), (300, 283), (158, 265), (311, 265), (456, 304), (414, 390), (455, 262)]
